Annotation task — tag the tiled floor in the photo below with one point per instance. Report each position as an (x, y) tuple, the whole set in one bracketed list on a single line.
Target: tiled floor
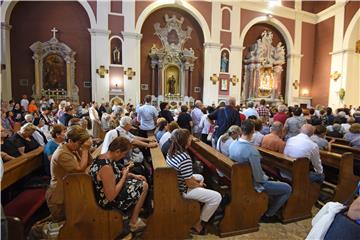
[(269, 231)]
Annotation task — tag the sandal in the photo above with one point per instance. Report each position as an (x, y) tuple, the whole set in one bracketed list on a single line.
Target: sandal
[(139, 225), (196, 232)]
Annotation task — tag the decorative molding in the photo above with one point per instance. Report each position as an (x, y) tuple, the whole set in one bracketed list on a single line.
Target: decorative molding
[(343, 51), (99, 32), (5, 26), (116, 14), (212, 45), (132, 35), (237, 48), (330, 11)]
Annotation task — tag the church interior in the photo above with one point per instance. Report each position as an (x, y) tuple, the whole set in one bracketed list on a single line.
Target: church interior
[(201, 65)]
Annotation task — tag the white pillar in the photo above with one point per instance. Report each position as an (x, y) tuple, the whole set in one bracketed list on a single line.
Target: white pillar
[(337, 58), (99, 56), (6, 92), (211, 66), (132, 60)]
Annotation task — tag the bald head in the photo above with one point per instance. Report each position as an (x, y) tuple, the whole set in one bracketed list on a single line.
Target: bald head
[(307, 129), (277, 127), (232, 101), (198, 104)]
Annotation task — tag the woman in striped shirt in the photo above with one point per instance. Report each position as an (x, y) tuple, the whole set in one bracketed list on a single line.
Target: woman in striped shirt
[(191, 185)]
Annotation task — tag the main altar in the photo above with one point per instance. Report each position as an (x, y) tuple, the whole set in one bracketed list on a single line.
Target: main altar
[(263, 67), (172, 64)]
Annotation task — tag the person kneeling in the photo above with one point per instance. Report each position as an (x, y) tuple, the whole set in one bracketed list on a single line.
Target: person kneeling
[(191, 185), (242, 151), (117, 188)]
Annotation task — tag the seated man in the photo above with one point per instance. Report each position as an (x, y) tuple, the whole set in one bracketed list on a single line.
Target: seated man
[(242, 151), (273, 141), (123, 131), (302, 146)]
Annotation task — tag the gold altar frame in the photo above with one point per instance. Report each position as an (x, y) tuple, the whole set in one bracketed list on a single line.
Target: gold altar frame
[(170, 71)]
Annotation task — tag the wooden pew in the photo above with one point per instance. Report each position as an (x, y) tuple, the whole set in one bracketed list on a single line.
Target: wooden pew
[(304, 193), (84, 218), (173, 215), (338, 148), (338, 140), (247, 206), (347, 181), (16, 169)]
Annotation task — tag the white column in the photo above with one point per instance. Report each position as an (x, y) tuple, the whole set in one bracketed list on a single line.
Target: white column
[(216, 16), (99, 56), (211, 66), (337, 58), (5, 86), (132, 42)]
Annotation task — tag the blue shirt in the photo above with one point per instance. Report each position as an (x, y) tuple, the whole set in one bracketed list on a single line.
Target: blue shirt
[(225, 117), (147, 115), (50, 147)]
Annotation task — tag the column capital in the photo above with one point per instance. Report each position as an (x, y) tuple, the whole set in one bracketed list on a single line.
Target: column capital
[(6, 26), (99, 32), (294, 55), (237, 48), (343, 51), (132, 35)]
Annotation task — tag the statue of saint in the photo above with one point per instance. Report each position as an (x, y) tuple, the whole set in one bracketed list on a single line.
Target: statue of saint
[(171, 84), (224, 63), (116, 55)]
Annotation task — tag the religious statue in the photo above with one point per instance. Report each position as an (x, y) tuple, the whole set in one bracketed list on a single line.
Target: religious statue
[(116, 55), (171, 83), (54, 72), (224, 63)]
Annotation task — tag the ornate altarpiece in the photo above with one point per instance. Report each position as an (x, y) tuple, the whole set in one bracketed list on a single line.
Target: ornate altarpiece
[(263, 69), (172, 64), (54, 70)]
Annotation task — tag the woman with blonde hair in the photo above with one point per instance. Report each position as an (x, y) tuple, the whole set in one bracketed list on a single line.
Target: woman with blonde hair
[(227, 138), (70, 157)]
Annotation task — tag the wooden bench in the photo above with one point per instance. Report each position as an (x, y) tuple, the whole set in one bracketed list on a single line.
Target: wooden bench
[(84, 218), (338, 148), (304, 192), (347, 181), (173, 215), (338, 140), (16, 169), (247, 206)]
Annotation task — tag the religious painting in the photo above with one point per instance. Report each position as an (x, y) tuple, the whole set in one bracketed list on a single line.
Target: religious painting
[(224, 61), (224, 85), (266, 82), (172, 81), (54, 72)]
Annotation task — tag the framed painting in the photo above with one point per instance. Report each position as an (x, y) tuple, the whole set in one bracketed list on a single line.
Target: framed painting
[(224, 85)]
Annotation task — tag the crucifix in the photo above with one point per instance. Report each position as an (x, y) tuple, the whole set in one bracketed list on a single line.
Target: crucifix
[(54, 31), (214, 78), (130, 73)]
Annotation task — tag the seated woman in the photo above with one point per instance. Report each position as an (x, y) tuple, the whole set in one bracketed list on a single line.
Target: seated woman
[(70, 157), (161, 129), (257, 136), (117, 188), (227, 138), (353, 136), (319, 138), (191, 185), (58, 136)]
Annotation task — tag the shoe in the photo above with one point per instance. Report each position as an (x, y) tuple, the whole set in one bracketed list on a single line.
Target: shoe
[(139, 225), (267, 219), (196, 232)]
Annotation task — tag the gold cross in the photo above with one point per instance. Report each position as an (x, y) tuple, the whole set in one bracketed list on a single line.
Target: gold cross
[(130, 73), (234, 80), (296, 84), (214, 78), (102, 71)]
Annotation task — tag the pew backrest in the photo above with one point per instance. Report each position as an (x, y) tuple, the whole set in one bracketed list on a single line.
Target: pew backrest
[(338, 140)]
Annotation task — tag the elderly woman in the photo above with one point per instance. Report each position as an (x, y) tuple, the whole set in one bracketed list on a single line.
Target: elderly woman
[(281, 116), (116, 187), (227, 138), (70, 157), (353, 136)]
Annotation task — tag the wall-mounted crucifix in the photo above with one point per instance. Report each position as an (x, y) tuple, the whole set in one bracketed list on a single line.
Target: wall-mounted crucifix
[(214, 78), (130, 73), (54, 31), (102, 71)]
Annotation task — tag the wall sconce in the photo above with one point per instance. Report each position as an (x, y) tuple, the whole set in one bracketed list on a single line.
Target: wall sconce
[(305, 92), (116, 82), (335, 75), (130, 73), (234, 80), (296, 84), (214, 78), (102, 71)]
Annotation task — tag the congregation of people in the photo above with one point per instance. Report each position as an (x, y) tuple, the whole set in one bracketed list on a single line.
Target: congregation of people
[(66, 133)]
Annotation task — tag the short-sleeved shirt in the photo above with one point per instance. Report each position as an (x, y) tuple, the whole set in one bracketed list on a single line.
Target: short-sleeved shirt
[(293, 126), (19, 142), (184, 120), (321, 142), (112, 134), (181, 162), (147, 115), (9, 148), (273, 142), (50, 147), (225, 117), (167, 115)]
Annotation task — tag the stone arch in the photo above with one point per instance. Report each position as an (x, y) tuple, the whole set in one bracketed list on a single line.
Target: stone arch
[(350, 29), (178, 4)]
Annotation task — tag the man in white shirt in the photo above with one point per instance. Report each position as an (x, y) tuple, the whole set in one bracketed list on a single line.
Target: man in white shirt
[(123, 131), (250, 111), (196, 115), (301, 145), (147, 115), (24, 102)]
